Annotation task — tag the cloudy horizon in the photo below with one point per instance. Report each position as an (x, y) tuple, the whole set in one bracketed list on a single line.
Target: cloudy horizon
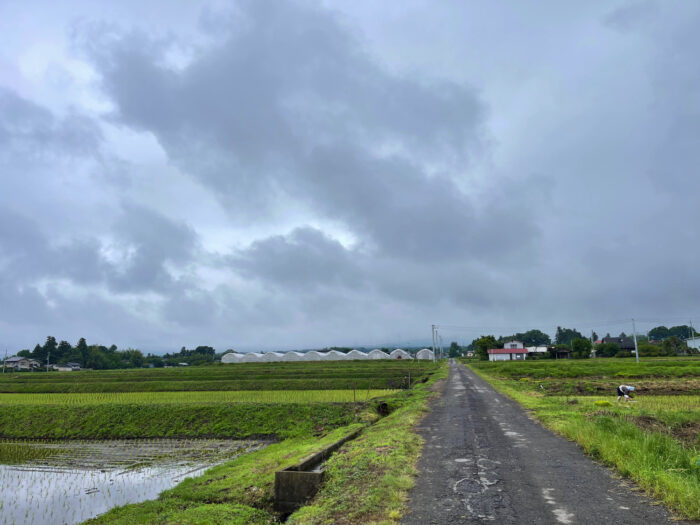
[(258, 174)]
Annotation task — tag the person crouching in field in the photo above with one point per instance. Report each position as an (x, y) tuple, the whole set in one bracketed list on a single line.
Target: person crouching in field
[(624, 390)]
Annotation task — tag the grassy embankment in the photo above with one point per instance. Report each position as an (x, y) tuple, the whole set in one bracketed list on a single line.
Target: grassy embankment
[(653, 440), (366, 480)]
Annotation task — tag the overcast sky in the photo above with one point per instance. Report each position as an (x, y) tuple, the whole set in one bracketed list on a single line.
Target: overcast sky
[(269, 174)]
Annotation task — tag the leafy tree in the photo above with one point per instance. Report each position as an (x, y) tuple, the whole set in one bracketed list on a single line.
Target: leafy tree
[(455, 349), (133, 358), (674, 345), (483, 344), (24, 353), (681, 332), (607, 349), (581, 348), (623, 334), (565, 336), (659, 333), (594, 336), (533, 338), (63, 349), (83, 352)]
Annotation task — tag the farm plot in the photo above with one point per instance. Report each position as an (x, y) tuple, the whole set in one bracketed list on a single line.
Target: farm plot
[(654, 439), (348, 375), (298, 406), (70, 482), (196, 397)]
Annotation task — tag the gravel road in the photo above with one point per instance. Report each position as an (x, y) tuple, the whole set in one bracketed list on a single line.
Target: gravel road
[(485, 460)]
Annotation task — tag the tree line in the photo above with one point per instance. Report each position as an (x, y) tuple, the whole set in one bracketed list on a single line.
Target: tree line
[(660, 341), (99, 357)]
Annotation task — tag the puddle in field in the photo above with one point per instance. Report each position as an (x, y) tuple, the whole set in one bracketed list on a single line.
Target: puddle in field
[(69, 482)]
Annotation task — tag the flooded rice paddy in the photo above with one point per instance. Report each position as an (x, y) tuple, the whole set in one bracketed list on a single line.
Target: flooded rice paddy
[(68, 482)]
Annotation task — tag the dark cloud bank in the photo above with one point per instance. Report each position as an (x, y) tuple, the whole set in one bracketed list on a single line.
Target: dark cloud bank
[(383, 186)]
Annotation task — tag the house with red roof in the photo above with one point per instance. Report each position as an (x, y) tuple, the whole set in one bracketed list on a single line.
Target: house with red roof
[(513, 351)]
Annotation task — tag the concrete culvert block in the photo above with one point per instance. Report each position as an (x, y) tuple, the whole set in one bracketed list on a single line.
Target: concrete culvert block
[(383, 409), (293, 488)]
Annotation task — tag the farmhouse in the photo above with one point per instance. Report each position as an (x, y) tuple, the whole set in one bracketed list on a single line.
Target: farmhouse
[(625, 343), (513, 351), (21, 363)]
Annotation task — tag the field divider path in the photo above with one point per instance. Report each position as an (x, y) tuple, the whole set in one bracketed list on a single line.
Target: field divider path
[(484, 460)]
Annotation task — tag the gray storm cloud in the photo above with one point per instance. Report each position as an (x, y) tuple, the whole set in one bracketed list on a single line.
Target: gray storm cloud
[(285, 174)]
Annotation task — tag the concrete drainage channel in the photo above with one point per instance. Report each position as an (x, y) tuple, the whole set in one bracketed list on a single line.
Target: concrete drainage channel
[(297, 484)]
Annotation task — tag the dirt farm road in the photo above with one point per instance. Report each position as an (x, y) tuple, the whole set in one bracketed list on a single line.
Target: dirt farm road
[(485, 460)]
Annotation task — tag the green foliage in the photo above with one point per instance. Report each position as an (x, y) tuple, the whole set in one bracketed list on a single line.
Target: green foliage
[(581, 348), (607, 350), (482, 345), (455, 350), (529, 338), (660, 333), (565, 336), (673, 345)]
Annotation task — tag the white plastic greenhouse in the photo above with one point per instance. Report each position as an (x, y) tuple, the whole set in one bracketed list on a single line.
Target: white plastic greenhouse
[(425, 353), (399, 353), (313, 355)]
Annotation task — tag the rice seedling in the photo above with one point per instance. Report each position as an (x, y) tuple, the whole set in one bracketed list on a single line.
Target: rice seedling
[(158, 398)]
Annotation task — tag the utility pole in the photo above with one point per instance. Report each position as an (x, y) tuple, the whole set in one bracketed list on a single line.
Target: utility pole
[(692, 333), (636, 348), (5, 361), (48, 357), (434, 349)]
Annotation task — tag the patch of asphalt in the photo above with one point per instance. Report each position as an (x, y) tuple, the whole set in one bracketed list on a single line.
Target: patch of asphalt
[(485, 460)]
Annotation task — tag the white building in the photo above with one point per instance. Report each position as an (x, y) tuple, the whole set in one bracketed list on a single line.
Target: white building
[(378, 354), (693, 343), (537, 349), (507, 354)]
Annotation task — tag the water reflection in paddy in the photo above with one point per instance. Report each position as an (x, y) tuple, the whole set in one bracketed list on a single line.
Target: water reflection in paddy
[(69, 482)]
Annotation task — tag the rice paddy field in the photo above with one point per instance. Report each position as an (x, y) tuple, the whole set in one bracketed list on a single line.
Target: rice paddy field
[(196, 397), (59, 433), (654, 439), (333, 375)]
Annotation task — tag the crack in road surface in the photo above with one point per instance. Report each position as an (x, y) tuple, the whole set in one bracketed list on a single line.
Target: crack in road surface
[(485, 460)]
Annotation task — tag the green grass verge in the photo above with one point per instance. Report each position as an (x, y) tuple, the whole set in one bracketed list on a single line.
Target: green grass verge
[(235, 420), (368, 480), (656, 461)]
